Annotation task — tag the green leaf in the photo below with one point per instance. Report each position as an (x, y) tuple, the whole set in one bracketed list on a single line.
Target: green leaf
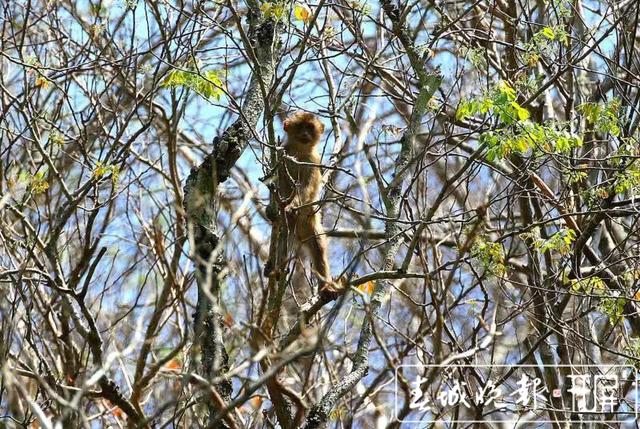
[(208, 84), (603, 117), (465, 109), (521, 143), (521, 112), (486, 104), (562, 36), (614, 130), (275, 10), (504, 89), (490, 254), (613, 307), (38, 183), (559, 242), (548, 33), (590, 285)]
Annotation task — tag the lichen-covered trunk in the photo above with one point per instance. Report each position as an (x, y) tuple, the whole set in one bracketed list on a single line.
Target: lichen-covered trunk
[(200, 193)]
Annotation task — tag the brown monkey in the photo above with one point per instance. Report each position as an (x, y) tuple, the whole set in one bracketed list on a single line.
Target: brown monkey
[(299, 183)]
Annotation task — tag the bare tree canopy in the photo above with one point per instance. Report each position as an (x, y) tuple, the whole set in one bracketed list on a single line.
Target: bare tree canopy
[(479, 175)]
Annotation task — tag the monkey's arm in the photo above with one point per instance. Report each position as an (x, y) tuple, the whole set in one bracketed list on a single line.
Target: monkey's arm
[(306, 187)]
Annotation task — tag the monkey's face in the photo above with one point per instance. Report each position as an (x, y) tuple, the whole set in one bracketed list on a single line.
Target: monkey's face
[(304, 133), (303, 129)]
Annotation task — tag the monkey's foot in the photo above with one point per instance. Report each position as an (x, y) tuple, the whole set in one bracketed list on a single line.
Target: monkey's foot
[(332, 290), (268, 269)]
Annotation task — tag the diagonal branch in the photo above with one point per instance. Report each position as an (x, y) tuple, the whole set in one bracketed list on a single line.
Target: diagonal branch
[(428, 83)]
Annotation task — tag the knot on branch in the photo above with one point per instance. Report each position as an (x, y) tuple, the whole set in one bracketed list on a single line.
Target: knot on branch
[(265, 33), (392, 11), (253, 15), (193, 184), (206, 242), (189, 185), (198, 190), (228, 148), (272, 213)]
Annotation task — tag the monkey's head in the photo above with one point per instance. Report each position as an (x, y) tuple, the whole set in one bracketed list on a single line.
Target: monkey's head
[(303, 130)]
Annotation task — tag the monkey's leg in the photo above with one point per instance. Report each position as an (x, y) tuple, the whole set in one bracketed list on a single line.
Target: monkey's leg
[(312, 235)]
